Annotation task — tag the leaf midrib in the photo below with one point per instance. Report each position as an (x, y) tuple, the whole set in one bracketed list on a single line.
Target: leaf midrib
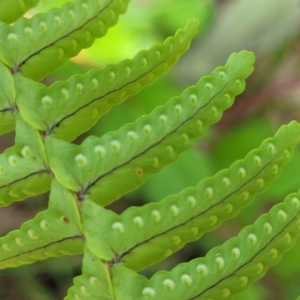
[(200, 214), (18, 67)]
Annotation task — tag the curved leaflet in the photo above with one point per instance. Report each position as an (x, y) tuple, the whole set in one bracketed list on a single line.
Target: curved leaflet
[(57, 35), (57, 109), (225, 270), (24, 170), (54, 232), (141, 236), (11, 10), (94, 283), (153, 141), (7, 100)]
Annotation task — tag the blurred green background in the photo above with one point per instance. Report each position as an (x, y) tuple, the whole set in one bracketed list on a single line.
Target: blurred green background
[(271, 29)]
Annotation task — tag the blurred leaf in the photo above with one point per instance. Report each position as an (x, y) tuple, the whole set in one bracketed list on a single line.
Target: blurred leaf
[(259, 26)]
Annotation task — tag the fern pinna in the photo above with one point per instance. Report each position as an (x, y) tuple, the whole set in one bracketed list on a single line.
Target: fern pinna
[(83, 179)]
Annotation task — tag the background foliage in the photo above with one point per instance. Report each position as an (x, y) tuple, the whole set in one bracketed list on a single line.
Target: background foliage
[(270, 28)]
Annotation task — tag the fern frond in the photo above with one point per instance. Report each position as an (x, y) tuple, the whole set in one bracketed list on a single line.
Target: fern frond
[(57, 35), (94, 283), (153, 141), (144, 235), (225, 270), (24, 169), (54, 232), (7, 100), (57, 109)]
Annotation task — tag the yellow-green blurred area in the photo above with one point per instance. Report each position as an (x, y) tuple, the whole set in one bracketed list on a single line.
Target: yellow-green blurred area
[(271, 29)]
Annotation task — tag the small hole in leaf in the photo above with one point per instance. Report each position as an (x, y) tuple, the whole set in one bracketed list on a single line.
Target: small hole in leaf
[(66, 220)]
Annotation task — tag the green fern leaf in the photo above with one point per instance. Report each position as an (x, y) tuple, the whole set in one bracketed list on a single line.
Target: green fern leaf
[(11, 10), (7, 100), (144, 235), (57, 35), (24, 169), (146, 146), (225, 270), (94, 283), (88, 97), (54, 232)]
